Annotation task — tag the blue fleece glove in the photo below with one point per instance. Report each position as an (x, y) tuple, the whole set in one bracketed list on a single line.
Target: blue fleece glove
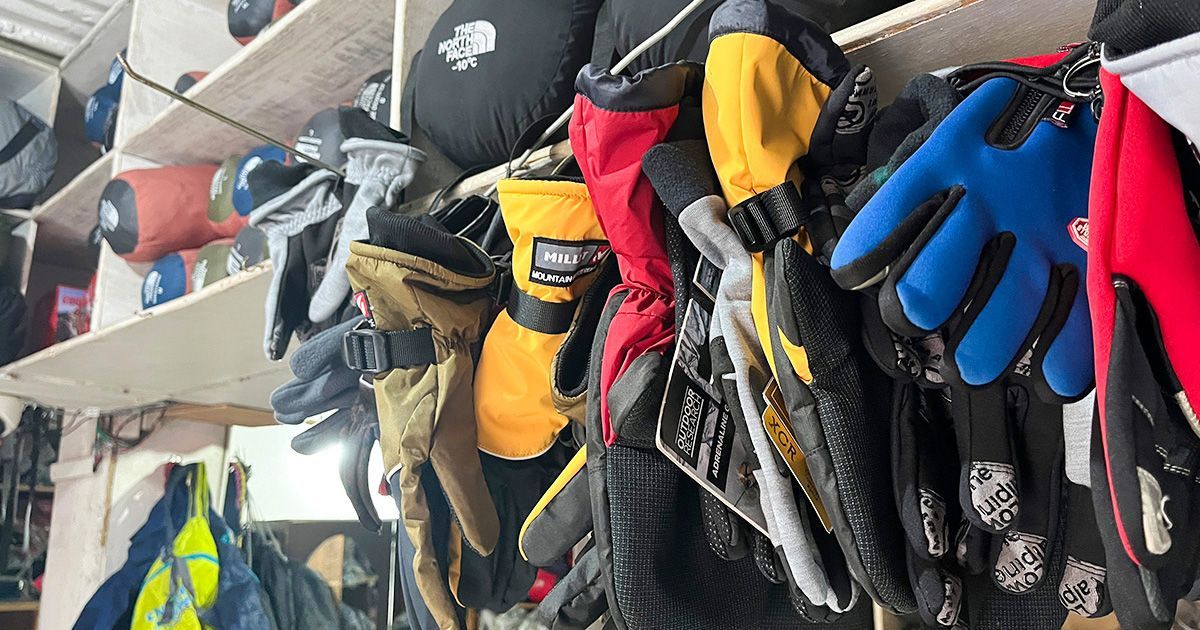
[(982, 234)]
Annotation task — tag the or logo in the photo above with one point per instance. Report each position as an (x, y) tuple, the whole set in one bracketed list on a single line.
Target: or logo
[(152, 287), (860, 106), (1156, 525), (364, 306), (1021, 561), (1078, 228), (933, 519), (109, 217), (689, 421), (1081, 589), (1061, 117), (198, 273), (470, 40), (951, 610), (235, 262), (243, 178), (560, 263), (994, 493), (217, 184)]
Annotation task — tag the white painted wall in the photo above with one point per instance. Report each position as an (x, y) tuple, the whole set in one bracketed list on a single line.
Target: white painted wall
[(288, 486)]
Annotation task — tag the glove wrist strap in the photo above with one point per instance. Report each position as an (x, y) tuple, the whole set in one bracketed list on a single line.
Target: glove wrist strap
[(768, 217), (373, 351), (550, 318)]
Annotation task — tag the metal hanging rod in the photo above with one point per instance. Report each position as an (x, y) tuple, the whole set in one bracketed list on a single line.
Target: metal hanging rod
[(133, 74)]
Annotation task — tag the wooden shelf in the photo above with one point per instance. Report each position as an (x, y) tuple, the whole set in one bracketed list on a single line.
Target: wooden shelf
[(201, 349), (928, 35), (19, 605), (66, 219), (316, 57)]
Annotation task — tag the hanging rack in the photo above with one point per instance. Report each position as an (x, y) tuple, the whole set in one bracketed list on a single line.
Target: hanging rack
[(211, 113)]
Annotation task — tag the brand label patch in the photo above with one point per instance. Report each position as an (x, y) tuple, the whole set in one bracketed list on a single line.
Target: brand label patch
[(364, 306), (560, 263), (1062, 114), (470, 40), (109, 217), (198, 273), (1078, 228)]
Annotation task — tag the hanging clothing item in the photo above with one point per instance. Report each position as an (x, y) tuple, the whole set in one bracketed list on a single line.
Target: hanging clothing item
[(426, 296), (461, 91), (28, 155), (558, 250), (769, 75), (1144, 293)]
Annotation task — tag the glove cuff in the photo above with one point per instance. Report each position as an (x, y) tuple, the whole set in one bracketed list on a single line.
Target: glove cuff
[(426, 239)]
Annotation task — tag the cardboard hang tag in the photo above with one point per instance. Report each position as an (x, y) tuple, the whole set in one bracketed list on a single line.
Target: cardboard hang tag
[(696, 430), (775, 421)]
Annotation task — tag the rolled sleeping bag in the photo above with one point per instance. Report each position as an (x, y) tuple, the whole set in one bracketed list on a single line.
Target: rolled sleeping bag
[(188, 79), (180, 273), (321, 138), (375, 97), (243, 201), (221, 210), (249, 249), (116, 73), (28, 155), (248, 18), (148, 213), (462, 93), (100, 116)]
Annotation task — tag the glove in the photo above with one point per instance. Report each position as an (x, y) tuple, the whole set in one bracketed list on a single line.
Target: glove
[(426, 295), (300, 220), (355, 429), (1142, 285), (1023, 296), (1083, 589), (323, 382), (381, 164), (683, 178), (558, 248), (755, 137), (1152, 46), (146, 214), (12, 321)]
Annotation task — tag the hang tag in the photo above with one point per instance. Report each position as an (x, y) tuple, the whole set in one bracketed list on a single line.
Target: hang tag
[(696, 430), (775, 421)]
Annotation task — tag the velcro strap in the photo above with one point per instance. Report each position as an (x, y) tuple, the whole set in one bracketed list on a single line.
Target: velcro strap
[(768, 217), (24, 135), (373, 351), (550, 318)]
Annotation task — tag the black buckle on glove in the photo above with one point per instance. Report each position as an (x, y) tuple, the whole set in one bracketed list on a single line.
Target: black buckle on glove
[(373, 351), (768, 217)]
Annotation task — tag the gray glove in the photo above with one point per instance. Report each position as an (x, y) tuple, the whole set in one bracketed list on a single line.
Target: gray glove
[(381, 164)]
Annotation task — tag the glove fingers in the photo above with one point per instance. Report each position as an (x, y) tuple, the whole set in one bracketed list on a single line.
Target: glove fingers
[(1068, 367), (1023, 551), (335, 286), (297, 400), (723, 529), (1082, 589), (988, 491), (998, 323), (353, 470), (321, 435), (931, 280)]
